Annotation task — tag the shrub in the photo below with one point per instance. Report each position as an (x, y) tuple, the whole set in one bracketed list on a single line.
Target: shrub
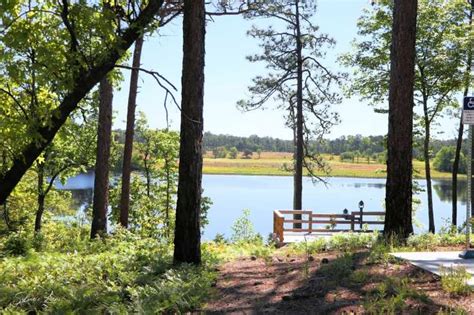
[(454, 280), (340, 268), (242, 229), (17, 244), (120, 274), (220, 239), (427, 241), (390, 296), (347, 156)]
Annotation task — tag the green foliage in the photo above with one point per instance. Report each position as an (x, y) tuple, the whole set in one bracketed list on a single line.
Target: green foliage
[(233, 153), (380, 253), (347, 156), (443, 160), (429, 241), (338, 241), (220, 239), (16, 244), (454, 280), (153, 190), (390, 297), (339, 268), (351, 241), (119, 274), (219, 152), (218, 251), (19, 211), (242, 228)]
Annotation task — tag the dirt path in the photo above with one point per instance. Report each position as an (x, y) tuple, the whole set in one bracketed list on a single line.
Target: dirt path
[(344, 285)]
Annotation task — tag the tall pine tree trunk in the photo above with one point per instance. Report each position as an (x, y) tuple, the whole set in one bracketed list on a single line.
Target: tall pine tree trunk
[(187, 239), (426, 154), (101, 182), (129, 132), (40, 198), (299, 151), (398, 198), (457, 155)]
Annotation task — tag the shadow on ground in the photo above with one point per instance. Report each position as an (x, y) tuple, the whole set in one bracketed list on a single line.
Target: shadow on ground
[(346, 284)]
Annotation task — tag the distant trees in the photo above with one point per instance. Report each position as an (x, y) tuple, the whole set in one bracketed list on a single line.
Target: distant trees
[(443, 160), (247, 154), (365, 145), (219, 152), (297, 79), (233, 153)]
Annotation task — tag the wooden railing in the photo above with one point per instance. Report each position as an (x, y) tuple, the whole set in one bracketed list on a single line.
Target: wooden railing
[(311, 222)]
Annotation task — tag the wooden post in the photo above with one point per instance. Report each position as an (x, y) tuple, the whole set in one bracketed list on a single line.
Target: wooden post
[(310, 222), (278, 221), (352, 222)]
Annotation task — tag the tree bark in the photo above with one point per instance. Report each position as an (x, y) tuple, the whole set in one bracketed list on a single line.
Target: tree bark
[(101, 181), (85, 80), (129, 132), (187, 239), (40, 198), (398, 198), (426, 154), (168, 198), (299, 149)]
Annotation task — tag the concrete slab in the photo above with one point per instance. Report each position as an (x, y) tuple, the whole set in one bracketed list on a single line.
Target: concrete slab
[(293, 237), (432, 261)]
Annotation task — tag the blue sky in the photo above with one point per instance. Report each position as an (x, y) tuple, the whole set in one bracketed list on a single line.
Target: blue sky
[(228, 74)]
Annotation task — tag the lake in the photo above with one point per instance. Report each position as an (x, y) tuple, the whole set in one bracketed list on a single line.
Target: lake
[(231, 194)]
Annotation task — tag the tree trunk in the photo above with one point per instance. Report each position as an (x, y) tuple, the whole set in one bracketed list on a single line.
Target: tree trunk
[(187, 239), (40, 198), (457, 155), (168, 198), (83, 83), (39, 213), (299, 150), (426, 154), (398, 198), (101, 182), (128, 148)]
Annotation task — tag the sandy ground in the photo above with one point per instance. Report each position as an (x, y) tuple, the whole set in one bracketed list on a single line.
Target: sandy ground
[(297, 285)]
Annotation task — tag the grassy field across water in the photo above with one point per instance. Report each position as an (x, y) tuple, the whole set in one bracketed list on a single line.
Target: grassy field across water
[(273, 163)]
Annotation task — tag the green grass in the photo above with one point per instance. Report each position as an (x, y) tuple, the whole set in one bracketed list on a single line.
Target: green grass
[(272, 163)]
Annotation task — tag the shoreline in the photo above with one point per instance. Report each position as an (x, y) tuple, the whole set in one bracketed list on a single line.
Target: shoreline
[(446, 177)]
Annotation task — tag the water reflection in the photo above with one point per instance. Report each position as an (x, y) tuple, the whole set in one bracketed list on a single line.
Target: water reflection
[(367, 185), (444, 190)]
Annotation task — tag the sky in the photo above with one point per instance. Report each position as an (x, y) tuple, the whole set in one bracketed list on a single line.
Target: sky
[(228, 75)]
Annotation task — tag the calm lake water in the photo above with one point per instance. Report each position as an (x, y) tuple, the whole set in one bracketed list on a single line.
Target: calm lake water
[(231, 194)]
